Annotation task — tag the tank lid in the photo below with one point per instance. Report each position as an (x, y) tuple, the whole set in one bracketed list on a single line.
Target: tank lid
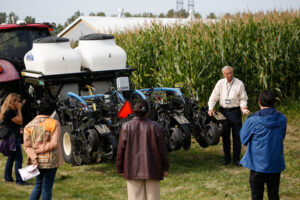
[(97, 36), (51, 40)]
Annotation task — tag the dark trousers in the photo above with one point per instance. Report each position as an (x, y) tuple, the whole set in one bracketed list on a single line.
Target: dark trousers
[(43, 184), (234, 118), (17, 158), (257, 181)]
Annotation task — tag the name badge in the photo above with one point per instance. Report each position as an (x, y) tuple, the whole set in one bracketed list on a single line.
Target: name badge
[(227, 101)]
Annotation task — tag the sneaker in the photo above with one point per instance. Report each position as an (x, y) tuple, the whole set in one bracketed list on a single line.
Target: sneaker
[(23, 183)]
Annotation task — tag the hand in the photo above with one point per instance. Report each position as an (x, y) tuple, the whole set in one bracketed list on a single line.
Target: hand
[(245, 110), (165, 174), (210, 112), (35, 162), (20, 105)]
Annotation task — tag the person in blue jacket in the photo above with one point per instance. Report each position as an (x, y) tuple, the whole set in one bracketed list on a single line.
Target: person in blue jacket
[(263, 134)]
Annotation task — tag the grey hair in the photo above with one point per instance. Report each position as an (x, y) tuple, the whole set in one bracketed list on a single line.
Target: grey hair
[(227, 67)]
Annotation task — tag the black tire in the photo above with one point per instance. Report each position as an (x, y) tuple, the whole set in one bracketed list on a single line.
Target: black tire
[(67, 148), (87, 157), (200, 138), (212, 134), (92, 140), (187, 137), (111, 147), (8, 87), (77, 157), (175, 141)]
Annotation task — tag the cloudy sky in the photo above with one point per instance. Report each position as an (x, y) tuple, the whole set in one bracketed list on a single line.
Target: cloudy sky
[(59, 10)]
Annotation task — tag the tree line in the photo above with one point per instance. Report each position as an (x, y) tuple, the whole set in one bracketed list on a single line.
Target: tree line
[(11, 17)]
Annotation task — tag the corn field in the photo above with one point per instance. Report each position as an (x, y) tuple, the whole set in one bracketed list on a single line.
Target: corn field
[(263, 49)]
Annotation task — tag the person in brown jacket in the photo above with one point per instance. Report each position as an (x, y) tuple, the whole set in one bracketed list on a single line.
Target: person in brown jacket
[(142, 156), (41, 144)]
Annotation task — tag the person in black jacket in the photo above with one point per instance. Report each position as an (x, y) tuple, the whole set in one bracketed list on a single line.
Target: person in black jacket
[(12, 117)]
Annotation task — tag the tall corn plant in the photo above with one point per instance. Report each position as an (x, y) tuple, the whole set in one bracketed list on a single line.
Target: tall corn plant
[(264, 50)]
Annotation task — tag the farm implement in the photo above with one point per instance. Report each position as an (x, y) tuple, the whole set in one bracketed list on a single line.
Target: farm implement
[(181, 118)]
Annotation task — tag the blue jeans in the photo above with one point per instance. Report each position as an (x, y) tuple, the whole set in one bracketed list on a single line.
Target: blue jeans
[(17, 157), (43, 184)]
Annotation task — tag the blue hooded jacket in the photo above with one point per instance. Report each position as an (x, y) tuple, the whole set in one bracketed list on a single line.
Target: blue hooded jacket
[(263, 134)]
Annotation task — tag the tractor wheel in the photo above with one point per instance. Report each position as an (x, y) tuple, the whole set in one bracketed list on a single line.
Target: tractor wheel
[(99, 152), (110, 148), (66, 140), (92, 141), (212, 135), (175, 141), (187, 137), (8, 87), (87, 157), (77, 157), (200, 138)]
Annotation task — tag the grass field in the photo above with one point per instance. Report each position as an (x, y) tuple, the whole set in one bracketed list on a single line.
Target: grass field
[(194, 174)]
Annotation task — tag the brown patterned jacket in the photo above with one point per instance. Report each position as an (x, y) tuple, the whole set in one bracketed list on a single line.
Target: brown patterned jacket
[(41, 142)]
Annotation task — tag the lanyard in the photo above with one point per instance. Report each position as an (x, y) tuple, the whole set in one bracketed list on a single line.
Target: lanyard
[(229, 88)]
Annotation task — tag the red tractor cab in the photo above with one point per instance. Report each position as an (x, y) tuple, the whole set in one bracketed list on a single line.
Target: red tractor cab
[(15, 41)]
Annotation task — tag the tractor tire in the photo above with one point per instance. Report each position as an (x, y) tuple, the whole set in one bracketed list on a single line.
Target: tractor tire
[(110, 148), (175, 141), (8, 87), (213, 134), (77, 157), (187, 137), (67, 148), (92, 140), (200, 138)]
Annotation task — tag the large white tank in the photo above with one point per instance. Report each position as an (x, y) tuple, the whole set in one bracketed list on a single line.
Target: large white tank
[(52, 55), (99, 52)]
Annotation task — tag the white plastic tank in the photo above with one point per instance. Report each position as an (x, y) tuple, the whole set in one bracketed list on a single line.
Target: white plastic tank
[(99, 52), (52, 55)]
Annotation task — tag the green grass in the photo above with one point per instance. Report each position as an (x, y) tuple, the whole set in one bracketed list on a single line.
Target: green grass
[(194, 174)]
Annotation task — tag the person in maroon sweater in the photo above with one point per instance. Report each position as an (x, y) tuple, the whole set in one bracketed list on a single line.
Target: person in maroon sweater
[(142, 157)]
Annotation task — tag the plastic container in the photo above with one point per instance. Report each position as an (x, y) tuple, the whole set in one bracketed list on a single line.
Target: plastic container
[(52, 55), (99, 52)]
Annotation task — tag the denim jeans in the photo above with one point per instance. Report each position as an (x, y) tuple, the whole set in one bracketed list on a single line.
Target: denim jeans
[(17, 157), (43, 184)]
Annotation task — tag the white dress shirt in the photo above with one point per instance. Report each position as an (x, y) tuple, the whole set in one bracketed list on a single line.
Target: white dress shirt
[(234, 91)]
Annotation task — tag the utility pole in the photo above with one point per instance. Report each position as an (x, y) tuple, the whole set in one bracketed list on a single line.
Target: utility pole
[(179, 5), (190, 5)]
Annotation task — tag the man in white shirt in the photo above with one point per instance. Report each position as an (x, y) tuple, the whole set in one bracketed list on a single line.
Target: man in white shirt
[(232, 97)]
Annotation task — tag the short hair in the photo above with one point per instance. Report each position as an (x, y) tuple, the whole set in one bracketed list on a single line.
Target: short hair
[(227, 67), (140, 108), (46, 106), (267, 98)]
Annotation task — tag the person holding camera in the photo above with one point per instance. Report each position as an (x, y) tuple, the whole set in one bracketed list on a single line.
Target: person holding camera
[(142, 156), (11, 147)]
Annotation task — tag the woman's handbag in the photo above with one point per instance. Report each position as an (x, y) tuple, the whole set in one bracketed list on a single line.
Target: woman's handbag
[(4, 132)]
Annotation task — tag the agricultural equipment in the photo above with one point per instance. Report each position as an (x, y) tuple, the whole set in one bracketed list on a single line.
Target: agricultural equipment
[(15, 41), (167, 108), (207, 130), (89, 122), (181, 117)]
